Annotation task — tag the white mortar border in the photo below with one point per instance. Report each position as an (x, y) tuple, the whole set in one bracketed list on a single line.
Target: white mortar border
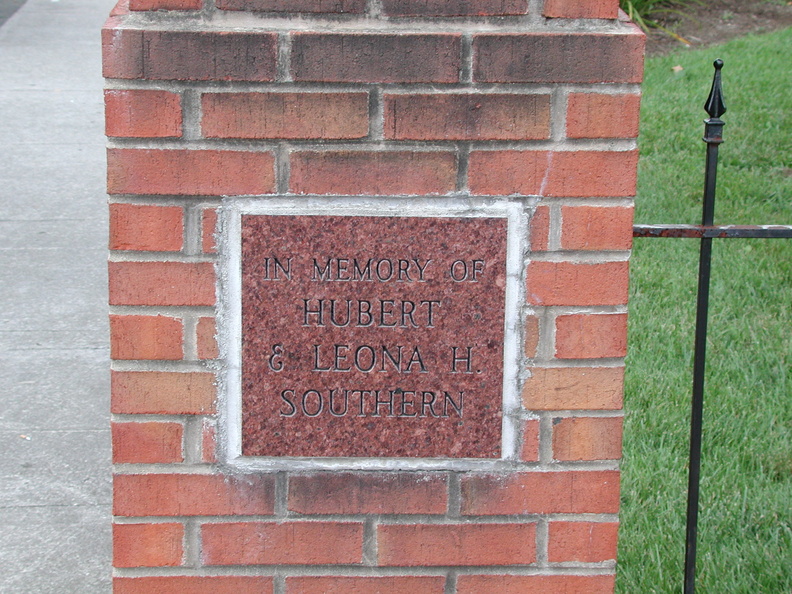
[(229, 321)]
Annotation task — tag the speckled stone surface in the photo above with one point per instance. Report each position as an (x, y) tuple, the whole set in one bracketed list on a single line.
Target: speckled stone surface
[(372, 336)]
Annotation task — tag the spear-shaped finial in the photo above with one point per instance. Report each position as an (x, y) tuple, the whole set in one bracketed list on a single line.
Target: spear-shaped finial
[(715, 106)]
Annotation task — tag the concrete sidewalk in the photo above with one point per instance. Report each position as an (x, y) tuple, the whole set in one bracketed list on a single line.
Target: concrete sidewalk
[(54, 427)]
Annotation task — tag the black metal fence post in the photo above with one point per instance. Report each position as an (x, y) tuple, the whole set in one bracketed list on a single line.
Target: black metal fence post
[(713, 136), (707, 231)]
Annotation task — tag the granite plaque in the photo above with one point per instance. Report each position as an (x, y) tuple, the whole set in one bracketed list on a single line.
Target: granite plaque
[(368, 336)]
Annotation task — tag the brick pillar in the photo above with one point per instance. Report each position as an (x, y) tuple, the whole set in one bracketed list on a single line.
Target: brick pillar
[(527, 106)]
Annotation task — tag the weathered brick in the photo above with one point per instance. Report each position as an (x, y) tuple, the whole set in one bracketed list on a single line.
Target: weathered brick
[(531, 336), (384, 58), (208, 226), (427, 545), (179, 584), (285, 115), (563, 492), (145, 337), (559, 57), (540, 229), (467, 116), (574, 388), (581, 9), (595, 115), (122, 51), (192, 495), (147, 443), (585, 542), (530, 445), (208, 441), (411, 584), (142, 113), (205, 338), (569, 283), (367, 493), (165, 4), (546, 173), (591, 336), (378, 173), (536, 584), (596, 228), (145, 227), (288, 543), (311, 6), (587, 438), (162, 392), (161, 283), (189, 55), (147, 545), (202, 173), (454, 7)]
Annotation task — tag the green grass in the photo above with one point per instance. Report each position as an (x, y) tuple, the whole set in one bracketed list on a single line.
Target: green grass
[(745, 522)]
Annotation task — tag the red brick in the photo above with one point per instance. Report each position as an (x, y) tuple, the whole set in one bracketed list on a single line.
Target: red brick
[(142, 113), (147, 443), (591, 336), (189, 55), (161, 283), (540, 229), (162, 392), (285, 115), (378, 173), (559, 57), (122, 51), (316, 6), (194, 585), (145, 337), (379, 57), (367, 493), (564, 492), (574, 388), (585, 542), (165, 4), (531, 336), (287, 543), (581, 9), (536, 584), (593, 115), (454, 7), (208, 226), (530, 446), (202, 173), (147, 545), (366, 585), (192, 495), (456, 544), (569, 283), (467, 117), (587, 438), (596, 228), (208, 441), (143, 227), (205, 338), (563, 174)]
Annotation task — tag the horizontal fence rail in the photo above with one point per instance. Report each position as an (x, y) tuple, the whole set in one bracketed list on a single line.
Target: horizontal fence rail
[(715, 231)]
